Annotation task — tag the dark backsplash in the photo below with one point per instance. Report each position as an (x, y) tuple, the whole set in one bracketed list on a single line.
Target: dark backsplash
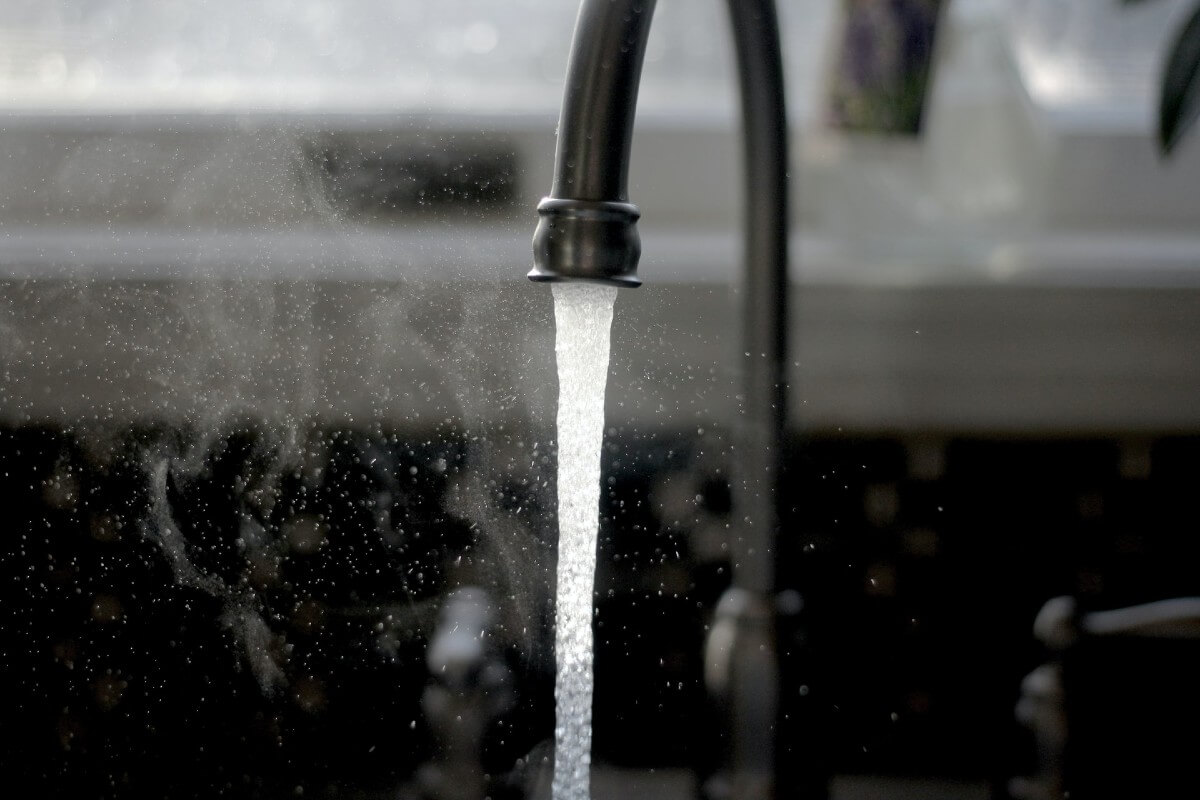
[(246, 615)]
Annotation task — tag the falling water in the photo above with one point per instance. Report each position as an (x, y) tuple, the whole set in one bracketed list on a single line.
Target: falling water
[(583, 316)]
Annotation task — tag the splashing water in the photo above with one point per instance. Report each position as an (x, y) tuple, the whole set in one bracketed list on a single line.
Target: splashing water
[(583, 316)]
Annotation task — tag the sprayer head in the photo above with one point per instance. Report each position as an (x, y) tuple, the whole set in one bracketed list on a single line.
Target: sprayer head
[(587, 240)]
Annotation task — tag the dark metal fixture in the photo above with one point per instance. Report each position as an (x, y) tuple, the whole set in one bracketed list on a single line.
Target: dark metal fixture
[(588, 232)]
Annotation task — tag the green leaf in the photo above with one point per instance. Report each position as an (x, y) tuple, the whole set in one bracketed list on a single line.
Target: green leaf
[(1179, 104)]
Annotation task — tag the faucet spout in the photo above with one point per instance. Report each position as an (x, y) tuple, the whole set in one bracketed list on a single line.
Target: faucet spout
[(588, 231), (588, 227)]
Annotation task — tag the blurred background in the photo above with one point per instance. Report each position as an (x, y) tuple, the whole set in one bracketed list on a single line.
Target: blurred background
[(277, 402)]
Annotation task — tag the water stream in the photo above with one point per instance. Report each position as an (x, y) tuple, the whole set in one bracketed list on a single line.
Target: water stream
[(583, 316)]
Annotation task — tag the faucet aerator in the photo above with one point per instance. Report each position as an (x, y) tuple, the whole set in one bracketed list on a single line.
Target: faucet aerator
[(587, 240)]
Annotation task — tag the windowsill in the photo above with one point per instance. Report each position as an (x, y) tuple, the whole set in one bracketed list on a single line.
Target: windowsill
[(445, 251)]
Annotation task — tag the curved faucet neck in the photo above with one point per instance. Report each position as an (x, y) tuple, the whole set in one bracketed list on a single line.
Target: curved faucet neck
[(588, 231), (595, 126), (588, 228)]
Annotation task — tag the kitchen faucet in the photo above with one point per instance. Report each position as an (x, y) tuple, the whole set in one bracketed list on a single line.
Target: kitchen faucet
[(588, 232)]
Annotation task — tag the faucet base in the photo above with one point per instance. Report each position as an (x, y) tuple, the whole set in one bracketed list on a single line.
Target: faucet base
[(587, 240)]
